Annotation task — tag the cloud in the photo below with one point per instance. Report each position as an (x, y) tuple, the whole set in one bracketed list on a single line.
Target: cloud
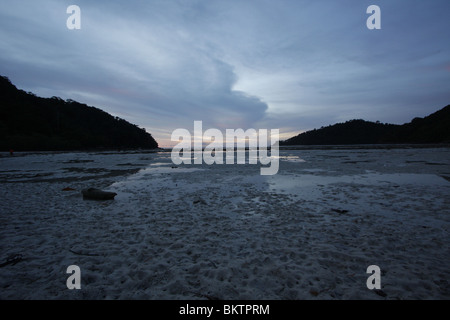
[(128, 66), (293, 65)]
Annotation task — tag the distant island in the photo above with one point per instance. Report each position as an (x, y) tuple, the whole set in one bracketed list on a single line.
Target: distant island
[(31, 123), (433, 129)]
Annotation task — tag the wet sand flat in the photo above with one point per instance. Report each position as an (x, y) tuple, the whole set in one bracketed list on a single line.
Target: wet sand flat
[(225, 231)]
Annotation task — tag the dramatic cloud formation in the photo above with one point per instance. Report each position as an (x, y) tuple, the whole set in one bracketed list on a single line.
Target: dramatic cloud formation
[(293, 65)]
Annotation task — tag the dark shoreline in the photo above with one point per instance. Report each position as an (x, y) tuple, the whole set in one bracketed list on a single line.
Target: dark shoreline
[(365, 146), (96, 151), (281, 147)]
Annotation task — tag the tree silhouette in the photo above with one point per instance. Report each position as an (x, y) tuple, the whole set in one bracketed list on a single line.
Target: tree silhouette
[(31, 123), (434, 128)]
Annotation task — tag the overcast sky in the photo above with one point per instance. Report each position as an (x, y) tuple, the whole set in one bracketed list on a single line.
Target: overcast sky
[(289, 65)]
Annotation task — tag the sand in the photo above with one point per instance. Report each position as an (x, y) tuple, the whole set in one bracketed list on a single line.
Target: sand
[(225, 231)]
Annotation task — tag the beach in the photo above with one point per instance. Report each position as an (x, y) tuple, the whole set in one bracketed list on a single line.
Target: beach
[(225, 231)]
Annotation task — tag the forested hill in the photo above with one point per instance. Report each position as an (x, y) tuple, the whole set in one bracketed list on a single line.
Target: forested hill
[(31, 123), (434, 128)]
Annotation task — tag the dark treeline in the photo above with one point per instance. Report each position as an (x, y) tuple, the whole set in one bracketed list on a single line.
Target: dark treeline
[(31, 123), (434, 128)]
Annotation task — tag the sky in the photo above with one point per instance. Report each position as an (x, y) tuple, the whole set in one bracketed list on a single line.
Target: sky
[(292, 65)]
